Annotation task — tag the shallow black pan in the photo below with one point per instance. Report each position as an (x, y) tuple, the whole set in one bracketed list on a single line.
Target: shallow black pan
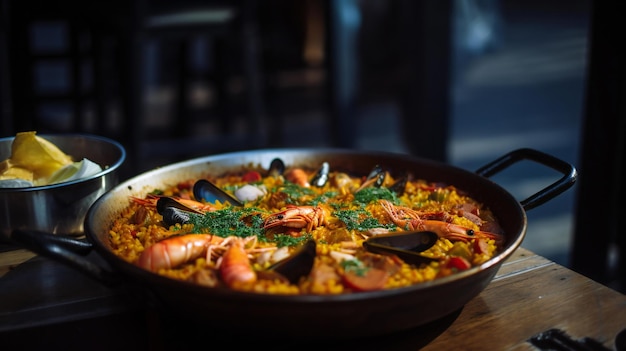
[(342, 316)]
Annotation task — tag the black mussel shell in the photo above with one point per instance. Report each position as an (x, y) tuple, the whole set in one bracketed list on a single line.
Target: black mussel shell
[(375, 178), (172, 216), (277, 167), (173, 211), (167, 202), (399, 185), (406, 245), (321, 177), (377, 173), (209, 192), (298, 265)]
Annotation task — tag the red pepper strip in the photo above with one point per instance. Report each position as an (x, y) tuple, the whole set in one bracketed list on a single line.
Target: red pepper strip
[(372, 279), (459, 263), (186, 185), (252, 176)]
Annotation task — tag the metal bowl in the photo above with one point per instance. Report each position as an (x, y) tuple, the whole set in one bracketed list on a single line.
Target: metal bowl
[(61, 208)]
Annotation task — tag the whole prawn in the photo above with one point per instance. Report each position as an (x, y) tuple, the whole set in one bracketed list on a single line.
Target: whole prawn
[(409, 219), (297, 217), (234, 266), (298, 176), (176, 250)]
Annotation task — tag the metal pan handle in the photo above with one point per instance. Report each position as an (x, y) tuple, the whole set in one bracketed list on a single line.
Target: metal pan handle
[(64, 249), (545, 194)]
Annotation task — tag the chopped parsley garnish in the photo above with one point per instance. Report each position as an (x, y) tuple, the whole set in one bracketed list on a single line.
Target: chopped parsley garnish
[(294, 192), (322, 198), (339, 205), (230, 188), (156, 192), (227, 222), (360, 220), (370, 194), (288, 240), (241, 223)]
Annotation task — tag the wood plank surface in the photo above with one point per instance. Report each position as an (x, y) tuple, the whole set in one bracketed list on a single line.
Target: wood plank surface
[(11, 259), (531, 295)]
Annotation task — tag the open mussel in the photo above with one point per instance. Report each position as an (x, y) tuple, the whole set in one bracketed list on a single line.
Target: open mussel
[(173, 211), (321, 176), (375, 178), (399, 185), (301, 177), (172, 216), (209, 192), (277, 167), (167, 202), (406, 245), (298, 265)]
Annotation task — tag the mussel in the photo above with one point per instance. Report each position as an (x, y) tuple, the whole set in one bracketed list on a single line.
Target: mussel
[(277, 167), (375, 178), (172, 216), (165, 202), (321, 176), (174, 212), (406, 245), (298, 265), (209, 192), (400, 184)]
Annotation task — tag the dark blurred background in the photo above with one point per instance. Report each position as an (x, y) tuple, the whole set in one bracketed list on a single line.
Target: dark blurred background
[(461, 82)]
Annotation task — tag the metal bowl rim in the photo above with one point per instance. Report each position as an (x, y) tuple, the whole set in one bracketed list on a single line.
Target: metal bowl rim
[(104, 172)]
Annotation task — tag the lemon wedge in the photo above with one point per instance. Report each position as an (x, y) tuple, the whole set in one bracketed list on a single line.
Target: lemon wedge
[(10, 171), (37, 154), (40, 162), (73, 171)]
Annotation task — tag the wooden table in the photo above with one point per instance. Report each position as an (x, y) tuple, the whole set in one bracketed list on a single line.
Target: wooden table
[(528, 296)]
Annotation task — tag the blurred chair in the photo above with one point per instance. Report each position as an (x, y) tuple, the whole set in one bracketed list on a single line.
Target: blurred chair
[(95, 54), (309, 57), (55, 64), (231, 29), (405, 54), (375, 50)]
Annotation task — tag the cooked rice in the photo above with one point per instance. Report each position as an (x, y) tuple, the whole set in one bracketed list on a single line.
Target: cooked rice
[(140, 226)]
